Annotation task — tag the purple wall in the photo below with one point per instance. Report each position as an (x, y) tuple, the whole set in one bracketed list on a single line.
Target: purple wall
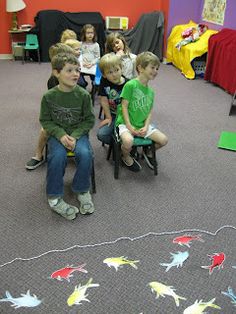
[(181, 11)]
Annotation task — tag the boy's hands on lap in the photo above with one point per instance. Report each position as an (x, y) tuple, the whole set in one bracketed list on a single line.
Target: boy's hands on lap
[(68, 141), (143, 131), (133, 130)]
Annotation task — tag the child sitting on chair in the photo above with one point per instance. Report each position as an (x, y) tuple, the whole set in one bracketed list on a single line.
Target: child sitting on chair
[(38, 159), (68, 34), (109, 92), (67, 116), (76, 46), (135, 112), (116, 43)]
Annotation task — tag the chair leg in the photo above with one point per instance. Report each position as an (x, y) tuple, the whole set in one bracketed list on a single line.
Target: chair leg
[(23, 56), (154, 159), (110, 148), (232, 104), (38, 56), (93, 91), (117, 153), (46, 152), (93, 183)]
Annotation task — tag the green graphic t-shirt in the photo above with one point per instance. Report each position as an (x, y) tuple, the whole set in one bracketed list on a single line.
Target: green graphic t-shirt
[(140, 100)]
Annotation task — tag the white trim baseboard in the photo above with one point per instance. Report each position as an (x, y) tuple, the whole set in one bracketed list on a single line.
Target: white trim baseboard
[(6, 56)]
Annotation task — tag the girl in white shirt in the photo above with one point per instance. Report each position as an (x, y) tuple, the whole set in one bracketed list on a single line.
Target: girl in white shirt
[(116, 43), (90, 50)]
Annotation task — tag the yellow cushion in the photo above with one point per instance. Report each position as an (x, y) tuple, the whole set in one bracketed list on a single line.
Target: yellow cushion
[(182, 58)]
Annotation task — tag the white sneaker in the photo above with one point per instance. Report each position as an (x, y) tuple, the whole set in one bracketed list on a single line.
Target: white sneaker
[(62, 208), (86, 204)]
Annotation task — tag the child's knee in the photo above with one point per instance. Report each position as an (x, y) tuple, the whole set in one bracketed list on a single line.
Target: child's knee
[(127, 142), (84, 153), (57, 156)]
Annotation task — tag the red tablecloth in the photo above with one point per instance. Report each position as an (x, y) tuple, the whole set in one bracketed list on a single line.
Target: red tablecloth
[(221, 60)]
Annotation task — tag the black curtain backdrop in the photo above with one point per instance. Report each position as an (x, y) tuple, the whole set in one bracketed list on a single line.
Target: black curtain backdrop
[(49, 24)]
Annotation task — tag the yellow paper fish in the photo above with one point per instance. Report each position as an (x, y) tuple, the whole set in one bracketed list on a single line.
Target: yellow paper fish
[(162, 290), (79, 293), (117, 262), (198, 307)]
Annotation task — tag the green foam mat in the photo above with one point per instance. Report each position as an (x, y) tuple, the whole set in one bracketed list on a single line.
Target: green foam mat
[(227, 140)]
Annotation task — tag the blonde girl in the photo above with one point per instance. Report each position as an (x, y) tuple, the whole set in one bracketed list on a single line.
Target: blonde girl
[(75, 45), (68, 34)]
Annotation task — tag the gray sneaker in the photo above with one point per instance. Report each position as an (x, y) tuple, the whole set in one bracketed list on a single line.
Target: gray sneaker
[(34, 163), (86, 204), (62, 208)]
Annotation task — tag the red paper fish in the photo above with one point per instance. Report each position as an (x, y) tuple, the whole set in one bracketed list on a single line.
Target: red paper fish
[(187, 239), (217, 261), (66, 272)]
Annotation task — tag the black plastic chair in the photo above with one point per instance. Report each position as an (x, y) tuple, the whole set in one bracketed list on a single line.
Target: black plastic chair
[(233, 105), (115, 150)]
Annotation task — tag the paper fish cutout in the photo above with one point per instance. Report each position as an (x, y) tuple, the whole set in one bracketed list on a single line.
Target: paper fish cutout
[(117, 262), (66, 272), (217, 261), (198, 307), (26, 300), (178, 259), (163, 290), (231, 295), (79, 293), (187, 239)]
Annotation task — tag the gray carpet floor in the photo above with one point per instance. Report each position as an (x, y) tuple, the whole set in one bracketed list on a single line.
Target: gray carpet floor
[(137, 216)]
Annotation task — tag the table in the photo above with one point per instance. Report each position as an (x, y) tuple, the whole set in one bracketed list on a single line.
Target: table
[(18, 41)]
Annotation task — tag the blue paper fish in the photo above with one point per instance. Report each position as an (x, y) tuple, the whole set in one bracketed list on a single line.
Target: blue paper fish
[(178, 259), (26, 300), (231, 295)]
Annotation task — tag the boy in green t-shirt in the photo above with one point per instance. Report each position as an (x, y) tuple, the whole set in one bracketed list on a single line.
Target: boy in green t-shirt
[(67, 116), (134, 114)]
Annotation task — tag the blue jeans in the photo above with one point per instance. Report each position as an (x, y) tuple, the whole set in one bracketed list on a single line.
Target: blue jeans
[(105, 132), (57, 161)]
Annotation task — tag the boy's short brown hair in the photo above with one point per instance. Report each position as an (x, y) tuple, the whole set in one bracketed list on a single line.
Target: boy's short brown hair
[(59, 48), (59, 61), (145, 58), (108, 61)]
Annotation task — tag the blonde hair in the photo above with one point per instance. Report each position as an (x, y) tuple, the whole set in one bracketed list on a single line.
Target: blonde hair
[(145, 58), (109, 46), (73, 43), (59, 48), (68, 34), (108, 61)]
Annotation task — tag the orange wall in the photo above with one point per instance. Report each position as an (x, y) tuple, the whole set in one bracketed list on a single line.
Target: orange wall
[(131, 8)]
